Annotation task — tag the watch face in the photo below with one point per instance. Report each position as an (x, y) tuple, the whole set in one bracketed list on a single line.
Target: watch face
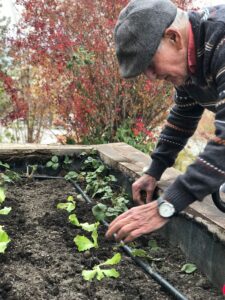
[(166, 210)]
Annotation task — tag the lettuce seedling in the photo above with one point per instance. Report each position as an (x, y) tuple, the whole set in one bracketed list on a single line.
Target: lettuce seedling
[(189, 268), (99, 211), (71, 175), (4, 240), (9, 176), (5, 210), (82, 242), (67, 160), (70, 205), (73, 220), (2, 194), (4, 165), (53, 163), (100, 273)]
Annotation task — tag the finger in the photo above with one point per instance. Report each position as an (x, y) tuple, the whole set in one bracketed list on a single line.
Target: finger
[(149, 197), (125, 231), (136, 193), (133, 235), (114, 228), (119, 218)]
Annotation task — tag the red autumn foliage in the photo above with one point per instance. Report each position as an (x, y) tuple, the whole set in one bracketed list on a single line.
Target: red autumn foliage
[(70, 44)]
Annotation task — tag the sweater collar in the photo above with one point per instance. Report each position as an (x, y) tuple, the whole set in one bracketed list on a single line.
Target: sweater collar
[(191, 51)]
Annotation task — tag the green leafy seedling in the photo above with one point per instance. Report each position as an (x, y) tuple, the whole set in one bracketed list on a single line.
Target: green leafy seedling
[(4, 240), (144, 254), (153, 245), (70, 205), (5, 165), (73, 220), (67, 160), (2, 194), (100, 273), (9, 176), (53, 163), (5, 210), (71, 175), (82, 242), (139, 253), (99, 211), (189, 268)]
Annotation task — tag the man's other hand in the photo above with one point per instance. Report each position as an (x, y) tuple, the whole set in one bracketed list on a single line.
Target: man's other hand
[(145, 183)]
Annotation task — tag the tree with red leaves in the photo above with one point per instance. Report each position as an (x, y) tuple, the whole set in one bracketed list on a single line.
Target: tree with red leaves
[(68, 48)]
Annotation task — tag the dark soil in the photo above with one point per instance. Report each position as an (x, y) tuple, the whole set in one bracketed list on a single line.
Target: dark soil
[(42, 261)]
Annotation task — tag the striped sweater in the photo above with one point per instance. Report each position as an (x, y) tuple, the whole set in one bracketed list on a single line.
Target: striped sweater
[(204, 90)]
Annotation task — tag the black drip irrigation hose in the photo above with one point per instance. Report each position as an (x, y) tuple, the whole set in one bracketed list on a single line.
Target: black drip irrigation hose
[(170, 289)]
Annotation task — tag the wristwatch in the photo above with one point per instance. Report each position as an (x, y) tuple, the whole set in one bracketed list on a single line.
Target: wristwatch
[(165, 209)]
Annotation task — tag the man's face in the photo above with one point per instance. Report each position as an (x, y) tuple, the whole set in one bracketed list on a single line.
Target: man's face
[(169, 63)]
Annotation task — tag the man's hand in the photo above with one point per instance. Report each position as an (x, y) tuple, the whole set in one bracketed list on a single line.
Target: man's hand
[(145, 183), (136, 222)]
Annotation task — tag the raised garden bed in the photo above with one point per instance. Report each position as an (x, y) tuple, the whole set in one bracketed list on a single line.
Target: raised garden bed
[(43, 262)]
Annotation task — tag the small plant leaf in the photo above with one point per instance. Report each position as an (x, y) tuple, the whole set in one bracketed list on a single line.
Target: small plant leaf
[(4, 240), (89, 274), (83, 243), (89, 227), (94, 235), (5, 178), (112, 261), (100, 169), (5, 165), (55, 166), (49, 164), (55, 159), (100, 274), (111, 273), (73, 220), (153, 245), (5, 210), (139, 252), (99, 211), (189, 268), (67, 206), (2, 195), (70, 199), (71, 175)]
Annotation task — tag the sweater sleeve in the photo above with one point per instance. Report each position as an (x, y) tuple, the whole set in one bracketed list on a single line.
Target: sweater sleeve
[(181, 124), (207, 173)]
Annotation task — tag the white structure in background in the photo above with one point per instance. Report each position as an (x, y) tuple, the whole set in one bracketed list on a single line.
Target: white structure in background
[(17, 133), (10, 10)]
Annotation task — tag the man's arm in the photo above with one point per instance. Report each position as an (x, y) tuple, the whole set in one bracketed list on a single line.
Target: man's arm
[(208, 172), (180, 126)]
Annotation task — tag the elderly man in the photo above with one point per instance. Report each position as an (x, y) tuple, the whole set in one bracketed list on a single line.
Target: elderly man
[(156, 38)]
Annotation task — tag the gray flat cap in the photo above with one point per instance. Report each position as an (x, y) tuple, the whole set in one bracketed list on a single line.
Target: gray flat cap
[(138, 33)]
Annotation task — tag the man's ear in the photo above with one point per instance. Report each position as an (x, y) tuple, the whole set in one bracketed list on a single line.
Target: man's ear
[(174, 37)]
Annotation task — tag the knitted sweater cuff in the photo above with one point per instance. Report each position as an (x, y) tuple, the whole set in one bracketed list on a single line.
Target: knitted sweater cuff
[(178, 195), (156, 169)]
